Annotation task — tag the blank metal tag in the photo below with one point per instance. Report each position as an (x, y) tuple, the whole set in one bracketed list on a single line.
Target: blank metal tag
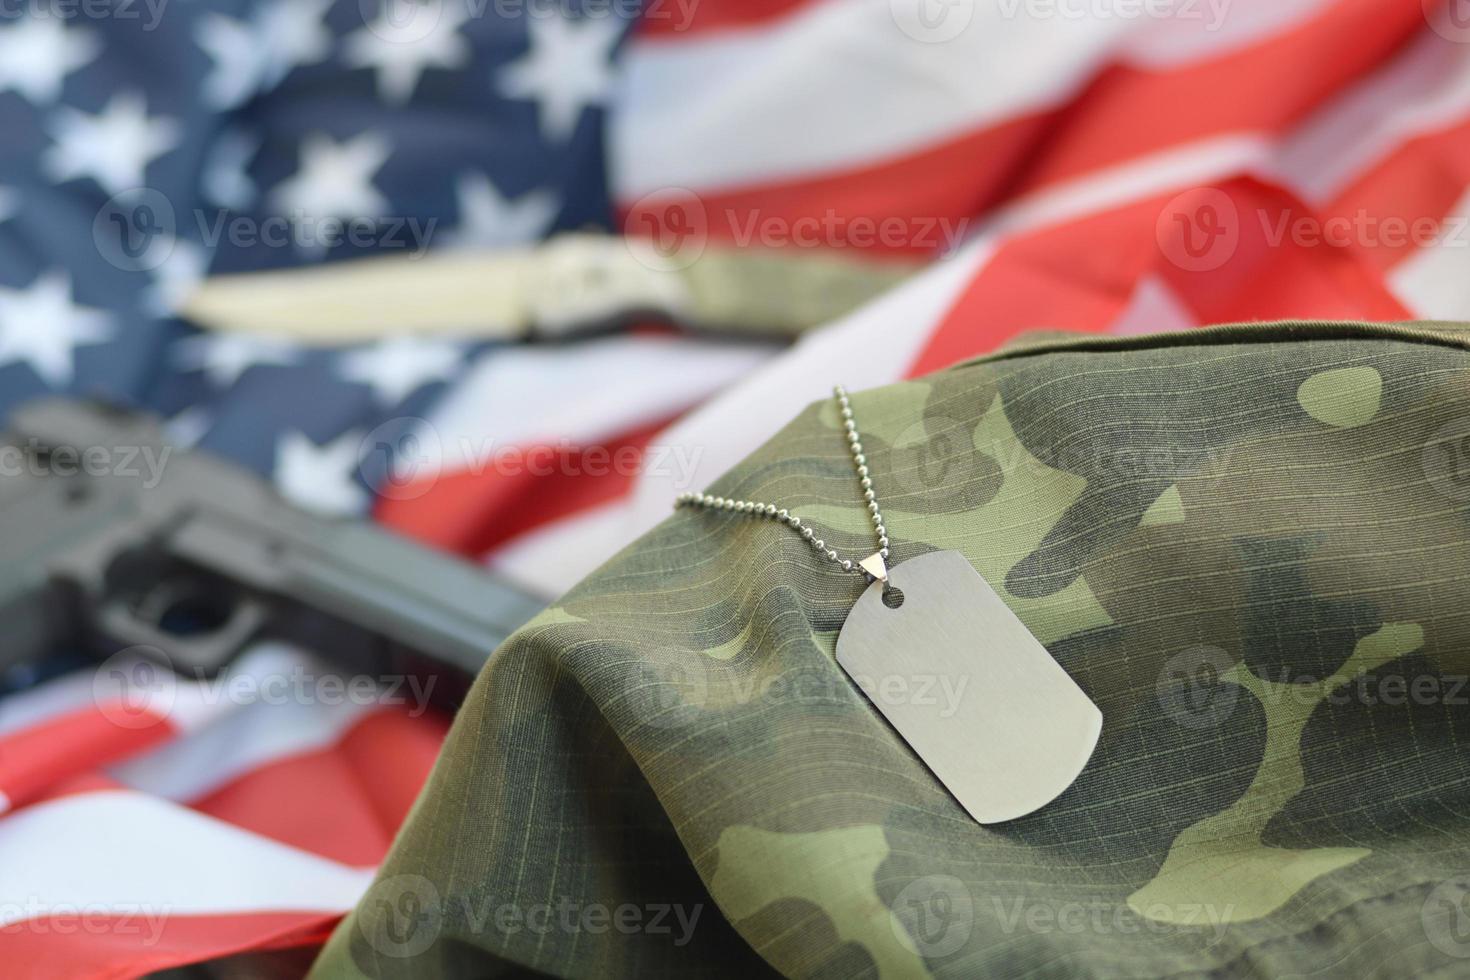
[(975, 695)]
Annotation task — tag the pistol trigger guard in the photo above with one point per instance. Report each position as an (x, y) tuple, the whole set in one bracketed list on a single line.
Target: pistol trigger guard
[(195, 655)]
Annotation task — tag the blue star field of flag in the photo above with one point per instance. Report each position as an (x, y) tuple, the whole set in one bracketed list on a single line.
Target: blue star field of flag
[(145, 143)]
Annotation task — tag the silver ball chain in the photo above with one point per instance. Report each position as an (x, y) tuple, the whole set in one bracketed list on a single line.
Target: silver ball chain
[(757, 508)]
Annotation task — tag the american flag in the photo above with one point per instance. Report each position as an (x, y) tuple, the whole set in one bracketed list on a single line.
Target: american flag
[(1083, 165)]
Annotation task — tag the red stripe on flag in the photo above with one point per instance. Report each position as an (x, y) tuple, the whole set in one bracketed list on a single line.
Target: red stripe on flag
[(913, 194), (1414, 188), (97, 945), (361, 789), (1124, 113), (1264, 277), (1128, 112), (669, 20), (1082, 274), (71, 744)]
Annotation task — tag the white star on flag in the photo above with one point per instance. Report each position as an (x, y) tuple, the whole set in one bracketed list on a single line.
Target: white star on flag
[(397, 367), (238, 62), (408, 38), (333, 182), (293, 34), (487, 219), (42, 327), (320, 478), (37, 53), (567, 69), (253, 56), (113, 147), (226, 356)]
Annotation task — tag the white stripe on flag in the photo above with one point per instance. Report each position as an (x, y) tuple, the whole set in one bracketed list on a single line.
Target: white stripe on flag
[(835, 86), (741, 107), (1433, 281), (579, 394), (1424, 89), (247, 739), (121, 851)]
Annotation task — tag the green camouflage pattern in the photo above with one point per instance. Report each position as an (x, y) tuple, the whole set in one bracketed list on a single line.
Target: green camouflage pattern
[(1249, 545)]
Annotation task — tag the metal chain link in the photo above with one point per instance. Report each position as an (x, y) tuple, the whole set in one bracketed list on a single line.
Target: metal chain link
[(759, 508)]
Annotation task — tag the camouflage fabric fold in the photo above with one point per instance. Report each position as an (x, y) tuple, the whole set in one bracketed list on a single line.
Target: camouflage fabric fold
[(1249, 545)]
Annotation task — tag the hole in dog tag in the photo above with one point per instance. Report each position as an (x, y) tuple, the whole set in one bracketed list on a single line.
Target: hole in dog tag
[(974, 694)]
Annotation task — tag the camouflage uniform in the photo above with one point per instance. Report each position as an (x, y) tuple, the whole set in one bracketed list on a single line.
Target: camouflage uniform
[(1249, 546)]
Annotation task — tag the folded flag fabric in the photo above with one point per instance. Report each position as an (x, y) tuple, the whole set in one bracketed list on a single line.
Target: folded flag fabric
[(154, 823)]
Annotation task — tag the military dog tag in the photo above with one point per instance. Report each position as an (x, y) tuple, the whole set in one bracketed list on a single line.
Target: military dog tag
[(975, 695)]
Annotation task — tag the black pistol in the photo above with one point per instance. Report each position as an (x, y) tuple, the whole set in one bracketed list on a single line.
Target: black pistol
[(110, 539)]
